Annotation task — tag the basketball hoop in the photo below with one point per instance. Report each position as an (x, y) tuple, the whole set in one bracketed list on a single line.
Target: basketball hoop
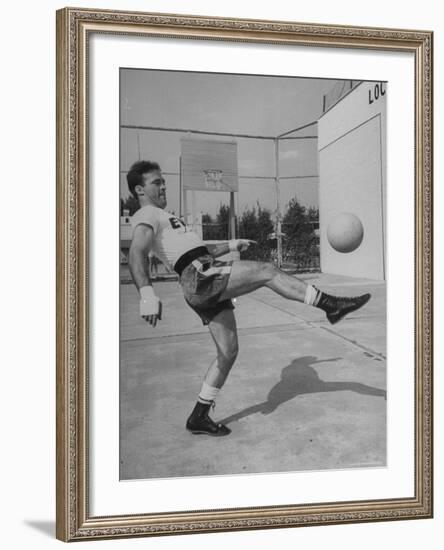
[(213, 179)]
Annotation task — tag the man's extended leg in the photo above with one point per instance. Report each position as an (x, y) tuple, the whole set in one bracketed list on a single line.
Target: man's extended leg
[(224, 332), (247, 276)]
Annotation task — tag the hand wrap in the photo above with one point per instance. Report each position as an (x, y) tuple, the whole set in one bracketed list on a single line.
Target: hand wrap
[(149, 302)]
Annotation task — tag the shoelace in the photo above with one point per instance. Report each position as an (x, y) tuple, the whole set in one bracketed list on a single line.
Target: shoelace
[(346, 298), (212, 407), (212, 404)]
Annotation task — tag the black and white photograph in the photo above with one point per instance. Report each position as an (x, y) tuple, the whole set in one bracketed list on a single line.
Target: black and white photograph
[(244, 275), (253, 271)]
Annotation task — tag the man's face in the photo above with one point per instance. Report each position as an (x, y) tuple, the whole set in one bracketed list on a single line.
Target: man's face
[(155, 189)]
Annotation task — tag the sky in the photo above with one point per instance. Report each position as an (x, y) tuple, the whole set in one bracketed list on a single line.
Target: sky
[(228, 103)]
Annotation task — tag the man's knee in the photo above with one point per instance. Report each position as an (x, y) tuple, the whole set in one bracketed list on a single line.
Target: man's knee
[(266, 271)]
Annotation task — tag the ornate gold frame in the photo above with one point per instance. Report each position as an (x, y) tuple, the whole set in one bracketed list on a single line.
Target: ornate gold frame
[(73, 28)]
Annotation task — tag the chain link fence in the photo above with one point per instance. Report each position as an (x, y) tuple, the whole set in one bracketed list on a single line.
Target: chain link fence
[(299, 255)]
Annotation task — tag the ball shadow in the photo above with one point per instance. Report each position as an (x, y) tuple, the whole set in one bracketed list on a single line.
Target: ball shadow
[(300, 378)]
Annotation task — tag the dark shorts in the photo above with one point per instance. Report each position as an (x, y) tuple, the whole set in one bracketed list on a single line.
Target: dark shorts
[(203, 281)]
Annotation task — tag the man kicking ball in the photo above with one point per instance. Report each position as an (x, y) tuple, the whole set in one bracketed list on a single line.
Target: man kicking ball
[(208, 284)]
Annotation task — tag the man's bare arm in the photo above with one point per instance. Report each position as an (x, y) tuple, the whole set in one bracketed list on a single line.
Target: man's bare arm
[(150, 305), (219, 249), (138, 255)]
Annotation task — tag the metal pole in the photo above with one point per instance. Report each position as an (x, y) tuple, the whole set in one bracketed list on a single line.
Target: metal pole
[(185, 207), (183, 195), (297, 129), (138, 145), (191, 131), (278, 207), (232, 228), (180, 186), (193, 209)]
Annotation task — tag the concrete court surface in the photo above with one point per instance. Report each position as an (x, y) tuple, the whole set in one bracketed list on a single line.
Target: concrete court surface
[(302, 395)]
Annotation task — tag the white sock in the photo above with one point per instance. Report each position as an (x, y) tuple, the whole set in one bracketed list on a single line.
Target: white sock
[(311, 296), (207, 393)]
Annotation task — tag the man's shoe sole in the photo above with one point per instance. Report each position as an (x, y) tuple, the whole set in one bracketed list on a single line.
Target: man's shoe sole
[(214, 434), (333, 319)]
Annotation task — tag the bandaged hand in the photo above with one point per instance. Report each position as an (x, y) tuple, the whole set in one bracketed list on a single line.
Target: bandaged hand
[(150, 305), (240, 245)]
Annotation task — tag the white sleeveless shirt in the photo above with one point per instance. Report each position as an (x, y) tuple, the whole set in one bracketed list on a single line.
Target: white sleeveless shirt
[(172, 238)]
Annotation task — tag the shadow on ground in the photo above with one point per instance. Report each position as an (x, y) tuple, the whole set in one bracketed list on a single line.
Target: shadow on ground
[(45, 527), (300, 378)]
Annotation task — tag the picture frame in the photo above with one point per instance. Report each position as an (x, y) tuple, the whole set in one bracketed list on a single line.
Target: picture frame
[(75, 519)]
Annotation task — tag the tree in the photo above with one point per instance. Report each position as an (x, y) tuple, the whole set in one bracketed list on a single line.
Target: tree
[(216, 229), (130, 203), (208, 226), (301, 241), (313, 215), (256, 224), (222, 221)]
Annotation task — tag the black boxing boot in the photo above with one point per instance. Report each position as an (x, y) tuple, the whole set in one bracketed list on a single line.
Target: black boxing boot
[(200, 423), (336, 307)]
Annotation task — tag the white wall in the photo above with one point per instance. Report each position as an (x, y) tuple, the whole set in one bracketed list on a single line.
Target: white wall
[(351, 144), (28, 276)]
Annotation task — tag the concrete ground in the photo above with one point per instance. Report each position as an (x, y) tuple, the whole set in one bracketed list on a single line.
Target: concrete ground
[(303, 394)]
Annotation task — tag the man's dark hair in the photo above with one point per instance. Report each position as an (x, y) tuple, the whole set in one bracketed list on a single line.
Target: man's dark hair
[(135, 174)]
